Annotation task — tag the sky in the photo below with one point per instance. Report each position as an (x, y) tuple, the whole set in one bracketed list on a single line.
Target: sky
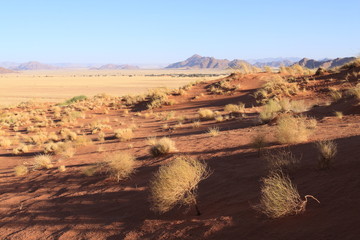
[(156, 31)]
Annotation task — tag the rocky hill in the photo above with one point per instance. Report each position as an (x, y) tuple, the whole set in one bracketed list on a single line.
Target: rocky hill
[(34, 66), (5, 70), (197, 61), (337, 62)]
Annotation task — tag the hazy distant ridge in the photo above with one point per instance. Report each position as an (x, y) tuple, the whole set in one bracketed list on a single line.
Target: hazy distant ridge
[(337, 62)]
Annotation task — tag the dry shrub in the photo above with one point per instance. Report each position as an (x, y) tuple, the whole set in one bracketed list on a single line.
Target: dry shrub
[(213, 131), (196, 124), (20, 170), (42, 162), (206, 113), (120, 166), (336, 95), (62, 168), (270, 111), (162, 146), (22, 148), (339, 115), (279, 197), (176, 183), (327, 152), (124, 134), (5, 142), (292, 129), (65, 150), (235, 108), (67, 134), (259, 142), (276, 88), (280, 159), (83, 141)]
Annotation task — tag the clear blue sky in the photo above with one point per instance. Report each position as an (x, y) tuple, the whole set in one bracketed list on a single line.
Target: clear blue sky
[(151, 31)]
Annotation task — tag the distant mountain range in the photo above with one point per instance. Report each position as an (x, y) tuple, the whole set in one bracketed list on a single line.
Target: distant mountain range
[(194, 62), (5, 70), (326, 63), (199, 62), (116, 67)]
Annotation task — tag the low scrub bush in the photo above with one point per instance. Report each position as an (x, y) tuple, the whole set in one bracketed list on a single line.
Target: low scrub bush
[(20, 170), (258, 142), (74, 100), (279, 197), (120, 166), (124, 134), (162, 146), (280, 159), (42, 162), (327, 151), (206, 114), (291, 129), (213, 131), (176, 183)]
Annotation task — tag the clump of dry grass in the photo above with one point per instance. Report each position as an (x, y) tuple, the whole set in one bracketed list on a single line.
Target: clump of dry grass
[(280, 159), (176, 183), (258, 141), (279, 197), (276, 88), (43, 161), (292, 129), (196, 124), (206, 114), (20, 170), (62, 168), (22, 148), (162, 146), (213, 131), (327, 152), (124, 134), (120, 166), (235, 108), (67, 134), (339, 115), (65, 150), (270, 111), (5, 142)]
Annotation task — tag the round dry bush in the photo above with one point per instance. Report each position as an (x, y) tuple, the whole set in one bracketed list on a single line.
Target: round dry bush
[(206, 114), (120, 165), (292, 129), (162, 146), (327, 152), (21, 170), (124, 134), (42, 162), (176, 183), (279, 197)]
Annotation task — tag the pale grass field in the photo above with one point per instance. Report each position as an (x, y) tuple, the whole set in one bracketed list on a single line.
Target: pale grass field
[(58, 85)]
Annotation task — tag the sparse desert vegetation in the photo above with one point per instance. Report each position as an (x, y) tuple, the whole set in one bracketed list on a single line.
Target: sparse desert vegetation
[(118, 152)]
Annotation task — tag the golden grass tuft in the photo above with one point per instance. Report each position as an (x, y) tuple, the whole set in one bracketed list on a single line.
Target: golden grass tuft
[(327, 151), (162, 146), (258, 142), (279, 197), (120, 166), (292, 129), (206, 114), (280, 159), (176, 183), (124, 134), (21, 170), (43, 161), (213, 131)]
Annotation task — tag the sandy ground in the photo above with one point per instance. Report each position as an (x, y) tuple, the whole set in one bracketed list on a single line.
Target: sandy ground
[(48, 204), (58, 85)]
